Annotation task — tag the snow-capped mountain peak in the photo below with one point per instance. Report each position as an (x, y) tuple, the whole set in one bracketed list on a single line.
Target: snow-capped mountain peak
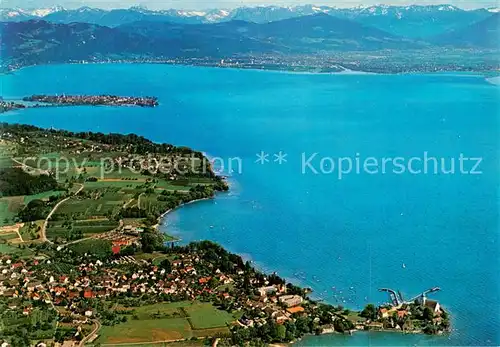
[(191, 13), (23, 14), (42, 12), (448, 8), (217, 15), (375, 15)]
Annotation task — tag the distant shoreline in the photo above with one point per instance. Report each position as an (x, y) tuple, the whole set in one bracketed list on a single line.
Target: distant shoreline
[(287, 69)]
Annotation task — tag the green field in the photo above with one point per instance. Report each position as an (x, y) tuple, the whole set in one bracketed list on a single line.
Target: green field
[(167, 321), (98, 247), (109, 203), (10, 249), (8, 236), (7, 249), (5, 162), (146, 331), (206, 316), (85, 227)]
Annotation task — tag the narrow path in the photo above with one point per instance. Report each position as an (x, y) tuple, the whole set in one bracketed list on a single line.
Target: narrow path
[(43, 231), (144, 343), (89, 336), (19, 234), (128, 203), (45, 172), (139, 201)]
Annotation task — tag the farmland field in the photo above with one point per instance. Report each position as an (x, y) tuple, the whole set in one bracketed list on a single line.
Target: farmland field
[(108, 203), (5, 162), (146, 331), (85, 227), (8, 236), (96, 246), (12, 249), (206, 316), (176, 320)]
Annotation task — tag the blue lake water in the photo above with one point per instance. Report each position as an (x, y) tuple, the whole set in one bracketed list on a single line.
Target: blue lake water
[(344, 238)]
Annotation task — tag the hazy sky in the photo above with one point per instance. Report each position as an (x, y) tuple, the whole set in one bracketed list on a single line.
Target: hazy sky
[(203, 4)]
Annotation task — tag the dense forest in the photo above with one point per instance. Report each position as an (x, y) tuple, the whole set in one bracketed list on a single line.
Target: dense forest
[(15, 182)]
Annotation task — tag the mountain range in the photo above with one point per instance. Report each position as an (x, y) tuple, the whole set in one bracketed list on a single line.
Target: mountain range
[(409, 21), (38, 41), (35, 41), (485, 34), (321, 34)]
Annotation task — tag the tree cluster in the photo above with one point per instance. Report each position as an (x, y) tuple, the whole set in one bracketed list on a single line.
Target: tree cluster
[(16, 182)]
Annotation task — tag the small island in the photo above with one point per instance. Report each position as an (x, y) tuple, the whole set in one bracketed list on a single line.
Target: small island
[(6, 106), (83, 262), (94, 100)]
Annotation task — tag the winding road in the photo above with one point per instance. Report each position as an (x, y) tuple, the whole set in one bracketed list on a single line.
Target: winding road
[(89, 336), (43, 231)]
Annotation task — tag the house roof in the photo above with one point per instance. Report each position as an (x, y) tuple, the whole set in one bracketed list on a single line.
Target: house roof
[(295, 309), (402, 313), (432, 304)]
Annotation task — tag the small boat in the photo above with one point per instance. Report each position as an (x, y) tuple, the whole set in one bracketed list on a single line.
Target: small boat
[(403, 266)]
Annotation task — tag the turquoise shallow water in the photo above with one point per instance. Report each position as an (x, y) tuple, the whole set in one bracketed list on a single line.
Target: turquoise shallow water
[(344, 238)]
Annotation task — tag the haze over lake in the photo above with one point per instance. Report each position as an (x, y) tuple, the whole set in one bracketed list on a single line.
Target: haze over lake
[(344, 238)]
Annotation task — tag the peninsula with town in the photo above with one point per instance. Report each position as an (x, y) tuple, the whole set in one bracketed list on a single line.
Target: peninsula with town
[(36, 101), (82, 262)]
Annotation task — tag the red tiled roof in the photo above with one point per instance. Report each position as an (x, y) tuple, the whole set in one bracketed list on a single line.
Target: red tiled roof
[(88, 294), (204, 280), (295, 309), (402, 313)]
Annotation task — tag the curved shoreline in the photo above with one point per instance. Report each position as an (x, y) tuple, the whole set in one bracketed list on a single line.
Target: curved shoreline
[(163, 216), (323, 335)]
